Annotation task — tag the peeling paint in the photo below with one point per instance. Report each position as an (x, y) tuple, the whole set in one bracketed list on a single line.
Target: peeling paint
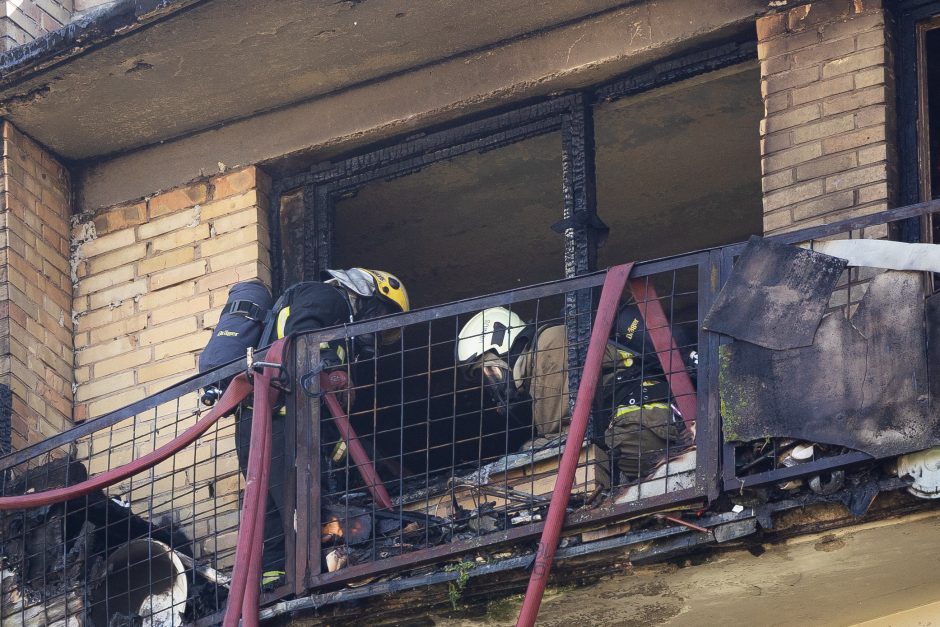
[(82, 233), (197, 212)]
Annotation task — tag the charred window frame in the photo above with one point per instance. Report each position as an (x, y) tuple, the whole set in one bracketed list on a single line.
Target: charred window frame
[(913, 19), (325, 184), (572, 114)]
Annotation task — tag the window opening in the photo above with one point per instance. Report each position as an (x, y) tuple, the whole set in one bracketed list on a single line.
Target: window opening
[(678, 168)]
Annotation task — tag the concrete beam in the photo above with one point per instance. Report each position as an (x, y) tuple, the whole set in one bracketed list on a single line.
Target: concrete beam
[(563, 58)]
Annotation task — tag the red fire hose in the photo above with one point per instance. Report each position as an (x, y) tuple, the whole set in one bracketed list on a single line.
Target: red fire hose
[(329, 383), (237, 390), (246, 575), (606, 312), (666, 349)]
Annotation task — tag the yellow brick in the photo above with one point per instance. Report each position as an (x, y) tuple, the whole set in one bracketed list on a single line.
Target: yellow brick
[(166, 368), (166, 296), (168, 331), (179, 274), (180, 220), (104, 280), (182, 237), (177, 199), (117, 295), (115, 401), (82, 375), (229, 205), (236, 257), (158, 385), (236, 221), (211, 318), (227, 277), (118, 329), (100, 387), (180, 309), (95, 354), (107, 243), (122, 362), (219, 297), (185, 344), (229, 241), (105, 316), (167, 260)]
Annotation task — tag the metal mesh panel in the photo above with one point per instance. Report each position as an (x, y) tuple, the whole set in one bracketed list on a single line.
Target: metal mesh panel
[(468, 450), (155, 548)]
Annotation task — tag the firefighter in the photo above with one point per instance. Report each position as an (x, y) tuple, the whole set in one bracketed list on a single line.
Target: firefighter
[(645, 426), (344, 296), (521, 364)]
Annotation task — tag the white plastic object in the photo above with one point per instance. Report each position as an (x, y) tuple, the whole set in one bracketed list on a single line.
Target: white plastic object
[(144, 578), (924, 468)]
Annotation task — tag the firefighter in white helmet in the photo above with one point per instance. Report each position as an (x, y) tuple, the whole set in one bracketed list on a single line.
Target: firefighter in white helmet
[(520, 363)]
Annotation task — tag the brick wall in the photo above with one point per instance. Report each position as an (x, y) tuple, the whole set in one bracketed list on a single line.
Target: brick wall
[(150, 280), (827, 137), (35, 289), (26, 20)]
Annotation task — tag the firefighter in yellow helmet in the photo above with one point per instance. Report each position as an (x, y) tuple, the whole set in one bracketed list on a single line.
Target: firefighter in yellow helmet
[(343, 296)]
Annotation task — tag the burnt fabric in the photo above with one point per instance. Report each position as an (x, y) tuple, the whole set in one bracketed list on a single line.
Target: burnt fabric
[(776, 296), (541, 370), (862, 384), (237, 330)]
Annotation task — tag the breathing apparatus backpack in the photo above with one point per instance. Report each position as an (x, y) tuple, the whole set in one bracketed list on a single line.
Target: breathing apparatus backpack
[(240, 327)]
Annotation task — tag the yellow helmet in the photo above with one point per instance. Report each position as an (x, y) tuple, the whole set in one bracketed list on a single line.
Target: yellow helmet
[(389, 288)]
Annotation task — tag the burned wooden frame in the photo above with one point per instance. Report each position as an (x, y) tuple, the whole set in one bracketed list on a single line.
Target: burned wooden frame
[(909, 15), (572, 115)]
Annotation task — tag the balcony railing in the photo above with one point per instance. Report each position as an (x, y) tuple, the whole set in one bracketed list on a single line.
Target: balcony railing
[(448, 470)]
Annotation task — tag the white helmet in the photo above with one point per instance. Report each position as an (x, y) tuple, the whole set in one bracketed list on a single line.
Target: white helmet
[(491, 330)]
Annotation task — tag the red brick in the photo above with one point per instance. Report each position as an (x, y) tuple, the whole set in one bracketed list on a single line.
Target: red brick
[(177, 199), (233, 183), (771, 26)]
